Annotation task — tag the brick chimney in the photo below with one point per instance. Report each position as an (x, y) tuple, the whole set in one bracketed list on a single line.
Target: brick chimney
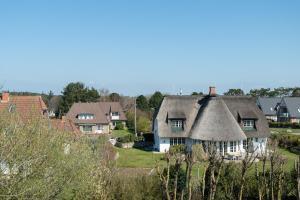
[(212, 91), (5, 97)]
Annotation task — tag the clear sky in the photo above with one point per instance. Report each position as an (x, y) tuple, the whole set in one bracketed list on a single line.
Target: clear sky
[(137, 47)]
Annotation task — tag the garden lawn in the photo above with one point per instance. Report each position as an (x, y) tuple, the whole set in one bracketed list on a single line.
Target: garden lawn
[(120, 133), (136, 158)]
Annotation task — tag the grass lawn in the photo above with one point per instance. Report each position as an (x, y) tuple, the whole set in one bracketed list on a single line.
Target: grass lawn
[(285, 130), (120, 133), (135, 158)]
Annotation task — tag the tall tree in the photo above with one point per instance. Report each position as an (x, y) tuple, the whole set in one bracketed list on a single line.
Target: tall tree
[(234, 92), (77, 92), (115, 97), (142, 103), (156, 100)]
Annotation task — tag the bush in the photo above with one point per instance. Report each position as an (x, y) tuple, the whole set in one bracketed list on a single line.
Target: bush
[(284, 125), (127, 138), (288, 141), (119, 126)]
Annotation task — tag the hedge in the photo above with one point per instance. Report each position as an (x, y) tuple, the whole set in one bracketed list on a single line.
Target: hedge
[(288, 141), (284, 125)]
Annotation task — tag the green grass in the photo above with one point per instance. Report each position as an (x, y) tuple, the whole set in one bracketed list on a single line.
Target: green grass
[(120, 133), (285, 130), (135, 158)]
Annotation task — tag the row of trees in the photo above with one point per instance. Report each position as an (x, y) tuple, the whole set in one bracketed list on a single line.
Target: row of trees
[(266, 92)]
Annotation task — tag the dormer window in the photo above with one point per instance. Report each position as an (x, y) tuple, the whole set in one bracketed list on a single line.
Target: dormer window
[(248, 124), (85, 116), (115, 114), (176, 125)]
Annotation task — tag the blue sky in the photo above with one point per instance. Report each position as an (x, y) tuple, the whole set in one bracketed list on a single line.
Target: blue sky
[(135, 47)]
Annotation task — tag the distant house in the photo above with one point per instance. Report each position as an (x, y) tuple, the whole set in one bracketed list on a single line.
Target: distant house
[(65, 125), (27, 107), (96, 118), (269, 106), (289, 110), (230, 123)]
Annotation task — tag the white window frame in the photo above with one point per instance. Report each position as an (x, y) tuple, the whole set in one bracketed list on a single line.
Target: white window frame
[(248, 123), (177, 141), (233, 146), (115, 114), (84, 126), (177, 123)]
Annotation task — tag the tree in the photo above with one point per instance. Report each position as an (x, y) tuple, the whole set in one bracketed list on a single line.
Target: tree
[(234, 92), (156, 100), (197, 93), (142, 103), (263, 92), (296, 92), (77, 92), (115, 97)]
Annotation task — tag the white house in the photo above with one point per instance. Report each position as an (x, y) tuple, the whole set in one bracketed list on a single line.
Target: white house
[(232, 124)]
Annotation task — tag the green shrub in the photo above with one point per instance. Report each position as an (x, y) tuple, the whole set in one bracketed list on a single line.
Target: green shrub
[(119, 126), (284, 125), (127, 138)]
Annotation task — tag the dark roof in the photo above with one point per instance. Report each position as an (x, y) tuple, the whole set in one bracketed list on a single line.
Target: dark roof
[(91, 108), (108, 107), (268, 104), (212, 118), (293, 106), (100, 110)]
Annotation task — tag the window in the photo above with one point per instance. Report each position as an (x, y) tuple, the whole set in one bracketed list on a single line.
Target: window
[(177, 123), (177, 141), (245, 144), (197, 141), (115, 114), (248, 123), (85, 116), (176, 126), (87, 128), (232, 146), (225, 147), (100, 127)]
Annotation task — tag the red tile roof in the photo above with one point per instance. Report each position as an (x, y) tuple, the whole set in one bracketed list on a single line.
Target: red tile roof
[(25, 106), (64, 125)]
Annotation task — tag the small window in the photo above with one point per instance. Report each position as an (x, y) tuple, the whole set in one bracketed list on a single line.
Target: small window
[(86, 128), (115, 114), (100, 127), (233, 146), (177, 141), (245, 144), (248, 123), (177, 123)]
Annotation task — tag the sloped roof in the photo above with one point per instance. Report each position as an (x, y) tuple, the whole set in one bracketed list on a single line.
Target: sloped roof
[(211, 118), (186, 105), (236, 104), (268, 104), (215, 122), (108, 107), (87, 108), (25, 106), (64, 125), (293, 106)]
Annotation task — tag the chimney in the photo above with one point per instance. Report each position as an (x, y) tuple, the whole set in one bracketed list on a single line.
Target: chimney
[(212, 91), (5, 97)]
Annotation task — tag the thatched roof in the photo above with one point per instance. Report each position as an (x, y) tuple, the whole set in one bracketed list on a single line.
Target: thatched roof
[(211, 118)]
